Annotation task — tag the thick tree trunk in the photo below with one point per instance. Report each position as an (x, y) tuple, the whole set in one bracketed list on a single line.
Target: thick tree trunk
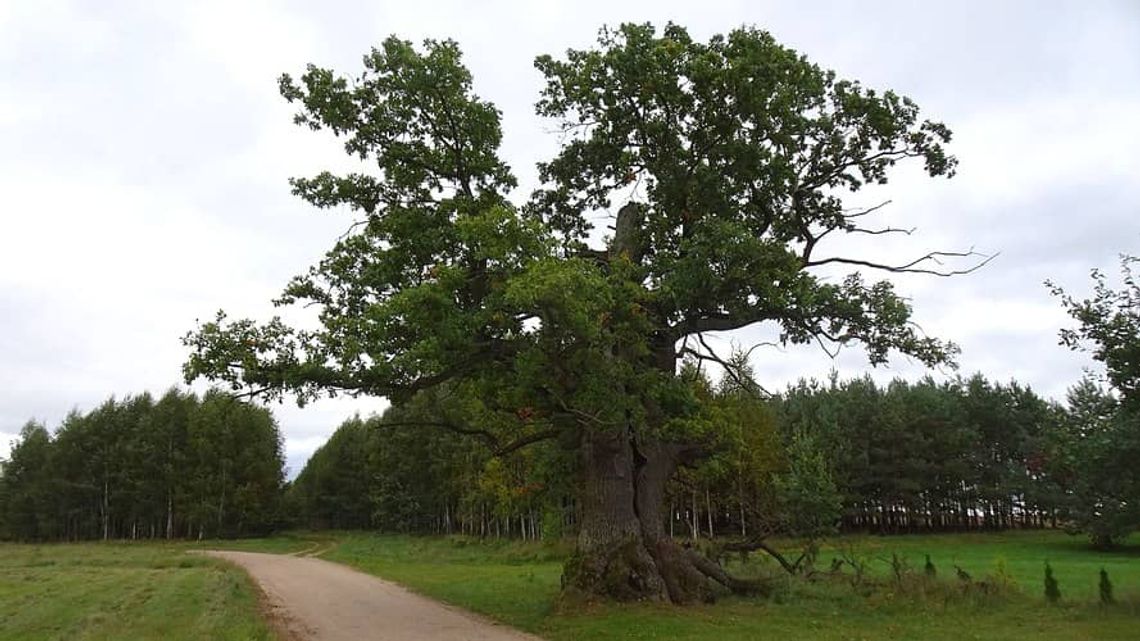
[(612, 559), (623, 550)]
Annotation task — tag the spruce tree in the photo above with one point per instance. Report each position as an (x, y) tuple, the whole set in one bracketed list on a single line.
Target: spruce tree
[(1105, 587), (1052, 591)]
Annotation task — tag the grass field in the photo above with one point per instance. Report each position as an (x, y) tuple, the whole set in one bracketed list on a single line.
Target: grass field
[(1023, 554), (518, 584), (158, 591), (127, 591)]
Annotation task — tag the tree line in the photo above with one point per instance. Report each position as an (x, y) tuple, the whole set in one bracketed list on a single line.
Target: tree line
[(819, 457), (405, 471), (181, 466), (926, 456)]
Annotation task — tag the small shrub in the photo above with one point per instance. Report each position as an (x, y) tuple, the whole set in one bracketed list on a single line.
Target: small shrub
[(1105, 587), (857, 563), (1052, 590), (1000, 579), (929, 570), (900, 569), (963, 575)]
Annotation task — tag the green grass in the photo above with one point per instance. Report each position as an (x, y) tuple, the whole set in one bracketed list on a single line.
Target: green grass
[(113, 591), (1024, 554), (518, 584), (285, 543), (512, 582), (157, 591)]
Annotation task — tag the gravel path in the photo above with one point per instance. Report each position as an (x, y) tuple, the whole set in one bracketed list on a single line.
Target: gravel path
[(315, 600)]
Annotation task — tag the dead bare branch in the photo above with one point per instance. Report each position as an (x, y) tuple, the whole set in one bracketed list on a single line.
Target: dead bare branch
[(864, 212), (913, 267), (882, 232), (730, 369)]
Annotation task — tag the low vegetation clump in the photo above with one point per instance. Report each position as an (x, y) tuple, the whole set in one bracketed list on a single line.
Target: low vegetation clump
[(1052, 589), (1105, 588)]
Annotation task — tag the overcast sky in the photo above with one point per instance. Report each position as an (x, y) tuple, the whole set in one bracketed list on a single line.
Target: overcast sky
[(144, 153)]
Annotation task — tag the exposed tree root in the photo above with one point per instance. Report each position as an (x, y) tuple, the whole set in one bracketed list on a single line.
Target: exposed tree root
[(624, 572), (791, 567), (664, 571), (714, 571)]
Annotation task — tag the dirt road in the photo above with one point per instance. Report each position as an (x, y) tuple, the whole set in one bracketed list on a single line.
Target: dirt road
[(316, 600)]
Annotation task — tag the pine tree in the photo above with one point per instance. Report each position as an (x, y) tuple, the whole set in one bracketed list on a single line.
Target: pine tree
[(1105, 586), (1052, 591)]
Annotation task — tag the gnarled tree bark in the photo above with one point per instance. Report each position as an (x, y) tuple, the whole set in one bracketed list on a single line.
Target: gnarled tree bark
[(624, 551)]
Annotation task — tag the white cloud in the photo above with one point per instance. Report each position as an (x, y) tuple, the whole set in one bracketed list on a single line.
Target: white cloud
[(248, 42), (1009, 156), (26, 25), (146, 152)]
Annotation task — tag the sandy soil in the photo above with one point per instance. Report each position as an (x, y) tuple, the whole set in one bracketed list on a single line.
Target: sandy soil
[(316, 600)]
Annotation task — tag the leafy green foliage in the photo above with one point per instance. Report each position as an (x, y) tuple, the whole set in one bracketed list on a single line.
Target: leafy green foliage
[(913, 456), (1095, 451), (905, 457), (333, 489), (398, 473), (809, 499), (27, 482), (1109, 327), (1100, 440)]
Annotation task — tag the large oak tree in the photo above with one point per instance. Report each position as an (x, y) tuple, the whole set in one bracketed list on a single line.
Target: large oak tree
[(724, 166)]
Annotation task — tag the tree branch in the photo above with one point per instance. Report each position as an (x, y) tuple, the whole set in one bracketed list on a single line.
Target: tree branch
[(715, 572), (913, 267), (869, 210), (497, 448), (488, 438), (721, 322), (729, 368), (521, 442), (881, 232), (791, 567), (251, 394)]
